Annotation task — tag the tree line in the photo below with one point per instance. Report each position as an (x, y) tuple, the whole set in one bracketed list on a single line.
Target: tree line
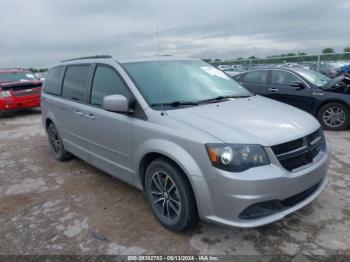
[(328, 51)]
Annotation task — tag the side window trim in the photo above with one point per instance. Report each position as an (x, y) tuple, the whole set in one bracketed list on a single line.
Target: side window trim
[(86, 84)]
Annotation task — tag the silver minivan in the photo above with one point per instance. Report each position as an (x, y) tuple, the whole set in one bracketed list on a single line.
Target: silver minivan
[(198, 143)]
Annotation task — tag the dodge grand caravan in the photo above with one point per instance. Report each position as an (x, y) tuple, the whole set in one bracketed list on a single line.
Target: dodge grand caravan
[(198, 143)]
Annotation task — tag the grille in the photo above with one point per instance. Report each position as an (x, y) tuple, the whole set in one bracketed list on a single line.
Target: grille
[(26, 92), (300, 152)]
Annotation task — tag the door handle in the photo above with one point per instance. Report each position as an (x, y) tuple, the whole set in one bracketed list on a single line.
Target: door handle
[(91, 116), (273, 89), (78, 113)]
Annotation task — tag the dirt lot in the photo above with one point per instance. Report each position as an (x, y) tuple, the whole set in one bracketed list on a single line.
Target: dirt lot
[(48, 207)]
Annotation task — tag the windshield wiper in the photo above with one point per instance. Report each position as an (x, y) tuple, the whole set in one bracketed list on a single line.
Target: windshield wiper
[(176, 103), (220, 98)]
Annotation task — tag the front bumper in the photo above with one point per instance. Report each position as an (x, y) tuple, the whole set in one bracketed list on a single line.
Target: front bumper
[(14, 103), (222, 199)]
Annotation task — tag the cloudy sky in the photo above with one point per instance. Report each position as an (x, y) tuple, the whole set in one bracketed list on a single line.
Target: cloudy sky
[(40, 32)]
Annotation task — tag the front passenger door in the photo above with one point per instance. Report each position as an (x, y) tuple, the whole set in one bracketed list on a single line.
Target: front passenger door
[(110, 133), (282, 89)]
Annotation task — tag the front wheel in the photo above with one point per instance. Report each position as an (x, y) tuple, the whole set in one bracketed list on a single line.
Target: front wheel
[(334, 116), (170, 195)]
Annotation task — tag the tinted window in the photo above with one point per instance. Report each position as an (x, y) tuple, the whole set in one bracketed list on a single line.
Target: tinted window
[(52, 84), (259, 77), (107, 82), (74, 85), (283, 78)]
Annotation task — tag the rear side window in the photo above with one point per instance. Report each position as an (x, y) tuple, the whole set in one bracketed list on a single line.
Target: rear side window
[(259, 77), (74, 84), (107, 82), (52, 84)]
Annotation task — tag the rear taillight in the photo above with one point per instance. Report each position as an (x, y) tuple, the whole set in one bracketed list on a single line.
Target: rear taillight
[(4, 94)]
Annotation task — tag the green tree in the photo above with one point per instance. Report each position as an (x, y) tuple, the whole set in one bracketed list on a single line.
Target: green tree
[(328, 50), (239, 58), (347, 49), (252, 57), (217, 60), (302, 53)]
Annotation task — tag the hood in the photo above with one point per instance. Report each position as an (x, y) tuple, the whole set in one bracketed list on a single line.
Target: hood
[(20, 85), (336, 83), (253, 120)]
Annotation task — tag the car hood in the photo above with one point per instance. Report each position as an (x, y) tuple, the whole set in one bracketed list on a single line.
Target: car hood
[(253, 120), (336, 83), (20, 85)]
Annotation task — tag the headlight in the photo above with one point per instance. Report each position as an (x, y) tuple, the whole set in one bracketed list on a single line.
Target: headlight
[(4, 94), (236, 157)]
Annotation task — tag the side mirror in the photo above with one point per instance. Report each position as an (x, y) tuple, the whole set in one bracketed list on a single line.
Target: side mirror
[(298, 84), (116, 103)]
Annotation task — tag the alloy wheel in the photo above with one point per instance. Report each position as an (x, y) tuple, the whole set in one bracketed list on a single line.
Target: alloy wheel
[(165, 196), (334, 117), (55, 140)]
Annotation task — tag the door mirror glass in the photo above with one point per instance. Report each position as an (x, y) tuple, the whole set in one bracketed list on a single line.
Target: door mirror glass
[(116, 103)]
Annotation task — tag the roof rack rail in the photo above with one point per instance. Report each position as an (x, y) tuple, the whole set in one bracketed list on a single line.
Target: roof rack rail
[(88, 57)]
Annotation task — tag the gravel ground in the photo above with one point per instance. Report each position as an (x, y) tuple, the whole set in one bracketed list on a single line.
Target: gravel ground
[(48, 207)]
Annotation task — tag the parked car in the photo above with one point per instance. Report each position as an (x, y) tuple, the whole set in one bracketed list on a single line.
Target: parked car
[(344, 69), (331, 69), (308, 90), (198, 143), (40, 76), (233, 71), (224, 67), (19, 89)]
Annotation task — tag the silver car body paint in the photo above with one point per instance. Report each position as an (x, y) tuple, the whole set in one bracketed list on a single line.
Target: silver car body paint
[(117, 143)]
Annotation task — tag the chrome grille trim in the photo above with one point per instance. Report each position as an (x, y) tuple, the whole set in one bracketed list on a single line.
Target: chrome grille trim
[(297, 158)]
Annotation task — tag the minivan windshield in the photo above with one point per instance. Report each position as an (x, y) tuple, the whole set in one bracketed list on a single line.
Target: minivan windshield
[(313, 77), (182, 81)]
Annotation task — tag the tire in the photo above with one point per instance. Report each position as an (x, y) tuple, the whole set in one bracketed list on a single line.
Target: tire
[(334, 116), (56, 145), (177, 211), (2, 114)]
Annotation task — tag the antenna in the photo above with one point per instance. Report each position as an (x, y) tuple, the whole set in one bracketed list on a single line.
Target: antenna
[(157, 32), (158, 54)]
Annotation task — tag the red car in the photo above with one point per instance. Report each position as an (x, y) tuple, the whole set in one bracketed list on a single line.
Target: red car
[(19, 89)]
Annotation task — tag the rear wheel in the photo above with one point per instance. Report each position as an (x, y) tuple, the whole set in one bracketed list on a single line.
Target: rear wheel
[(334, 116), (56, 145), (170, 195)]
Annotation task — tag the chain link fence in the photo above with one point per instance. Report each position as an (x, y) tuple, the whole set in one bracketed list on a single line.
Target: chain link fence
[(327, 64)]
